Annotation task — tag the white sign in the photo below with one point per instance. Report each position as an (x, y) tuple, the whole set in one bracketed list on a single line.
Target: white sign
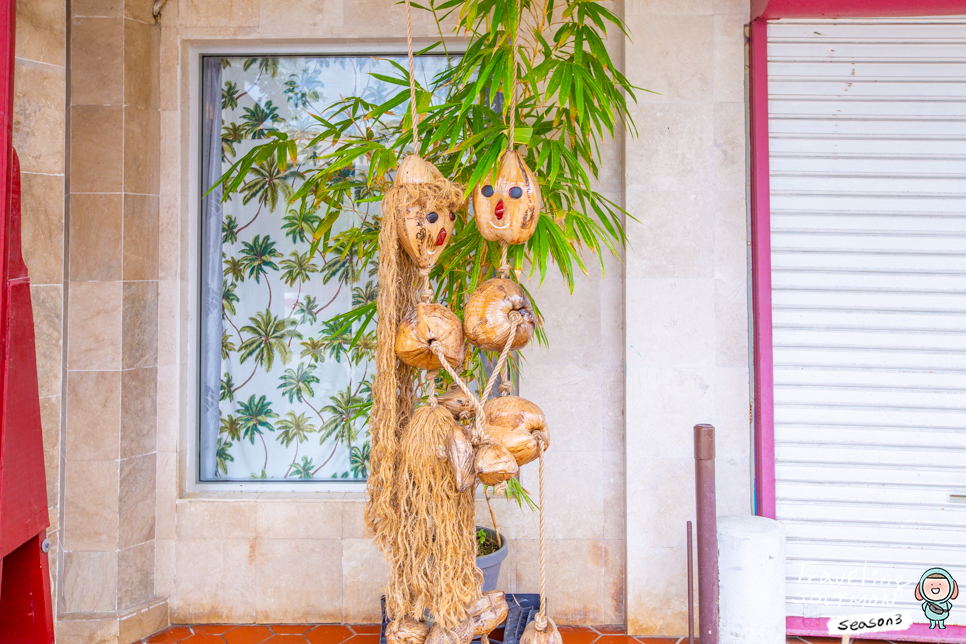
[(898, 620)]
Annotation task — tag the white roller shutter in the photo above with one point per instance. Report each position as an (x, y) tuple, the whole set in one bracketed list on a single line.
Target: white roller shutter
[(867, 128)]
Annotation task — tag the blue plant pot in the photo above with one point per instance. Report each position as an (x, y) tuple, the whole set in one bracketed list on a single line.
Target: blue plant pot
[(490, 564)]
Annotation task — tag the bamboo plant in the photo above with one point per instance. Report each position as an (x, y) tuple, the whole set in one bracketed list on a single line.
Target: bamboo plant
[(571, 97)]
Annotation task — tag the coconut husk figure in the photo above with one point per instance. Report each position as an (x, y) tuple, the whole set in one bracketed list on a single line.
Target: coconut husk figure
[(517, 425), (488, 315), (417, 512), (426, 461), (425, 203), (406, 631), (489, 611), (507, 206), (423, 326)]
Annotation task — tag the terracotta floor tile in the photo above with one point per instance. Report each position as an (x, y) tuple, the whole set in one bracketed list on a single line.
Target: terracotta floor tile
[(610, 629), (577, 634), (616, 639), (287, 638), (247, 634), (329, 634), (291, 629), (204, 639), (366, 638), (366, 628), (211, 629), (169, 635)]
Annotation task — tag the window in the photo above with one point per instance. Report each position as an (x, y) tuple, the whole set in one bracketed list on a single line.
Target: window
[(279, 401)]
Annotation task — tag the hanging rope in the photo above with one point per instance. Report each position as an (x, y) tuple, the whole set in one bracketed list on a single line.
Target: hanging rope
[(479, 435), (512, 116), (515, 320), (541, 618), (504, 269), (412, 74)]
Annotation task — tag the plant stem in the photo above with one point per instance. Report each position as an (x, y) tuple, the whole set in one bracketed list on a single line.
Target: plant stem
[(499, 541)]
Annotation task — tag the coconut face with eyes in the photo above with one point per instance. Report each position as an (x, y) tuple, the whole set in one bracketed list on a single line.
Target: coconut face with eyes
[(507, 206), (424, 233), (425, 205)]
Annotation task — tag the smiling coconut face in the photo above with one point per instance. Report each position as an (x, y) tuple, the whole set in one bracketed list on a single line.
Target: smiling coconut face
[(507, 207), (426, 205)]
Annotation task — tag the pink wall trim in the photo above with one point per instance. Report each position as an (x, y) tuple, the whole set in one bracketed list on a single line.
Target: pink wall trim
[(775, 9), (761, 274), (818, 627), (761, 11)]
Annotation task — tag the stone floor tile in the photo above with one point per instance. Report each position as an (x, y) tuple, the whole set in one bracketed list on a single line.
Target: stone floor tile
[(169, 635), (610, 629), (329, 634), (291, 629), (662, 640), (248, 634)]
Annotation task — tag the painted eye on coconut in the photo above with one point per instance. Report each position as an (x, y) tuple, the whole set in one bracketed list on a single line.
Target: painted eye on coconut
[(516, 192), (452, 216), (487, 191), (432, 217)]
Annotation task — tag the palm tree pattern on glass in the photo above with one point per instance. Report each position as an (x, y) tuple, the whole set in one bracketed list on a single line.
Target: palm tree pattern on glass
[(295, 391)]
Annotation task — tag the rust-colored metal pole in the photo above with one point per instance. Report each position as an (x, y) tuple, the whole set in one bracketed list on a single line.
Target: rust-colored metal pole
[(690, 590), (707, 534)]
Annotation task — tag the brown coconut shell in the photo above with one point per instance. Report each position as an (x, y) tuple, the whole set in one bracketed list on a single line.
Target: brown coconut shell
[(463, 634), (495, 464), (533, 636), (461, 457), (489, 611), (515, 424), (503, 216), (426, 204), (487, 314), (424, 325), (457, 403), (406, 631)]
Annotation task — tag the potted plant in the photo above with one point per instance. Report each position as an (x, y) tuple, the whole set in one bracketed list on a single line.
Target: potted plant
[(492, 547)]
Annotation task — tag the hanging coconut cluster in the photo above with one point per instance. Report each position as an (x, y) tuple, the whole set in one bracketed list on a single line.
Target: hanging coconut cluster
[(427, 459)]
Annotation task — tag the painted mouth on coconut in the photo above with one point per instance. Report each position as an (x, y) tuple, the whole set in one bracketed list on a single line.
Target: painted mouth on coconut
[(506, 225), (498, 211)]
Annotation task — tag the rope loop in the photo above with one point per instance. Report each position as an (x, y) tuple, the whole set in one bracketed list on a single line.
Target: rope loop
[(425, 289)]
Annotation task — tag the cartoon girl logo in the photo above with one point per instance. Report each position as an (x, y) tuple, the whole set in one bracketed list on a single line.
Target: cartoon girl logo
[(936, 589)]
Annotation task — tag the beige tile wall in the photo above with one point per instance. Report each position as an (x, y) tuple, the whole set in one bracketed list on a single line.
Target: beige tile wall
[(216, 544), (686, 288), (38, 136), (110, 461)]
